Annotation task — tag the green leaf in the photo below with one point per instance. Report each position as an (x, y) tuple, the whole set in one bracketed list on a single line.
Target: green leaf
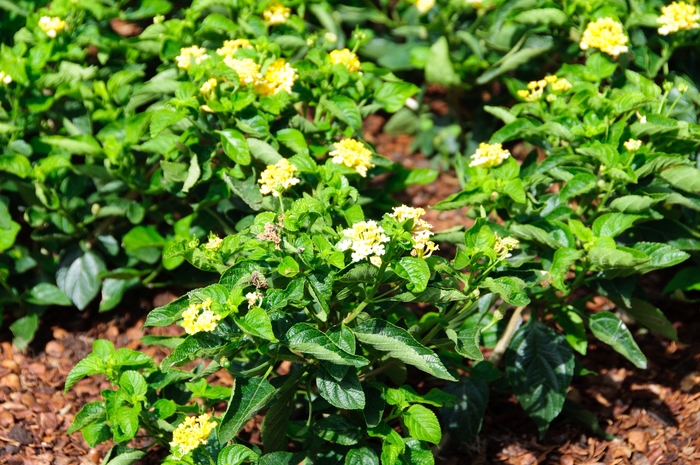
[(90, 365), (163, 119), (282, 458), (134, 385), (235, 455), (393, 95), (120, 455), (542, 16), (257, 322), (683, 177), (648, 315), (399, 344), (192, 174), (438, 67), (604, 258), (416, 271), (142, 237), (263, 151), (168, 314), (608, 328), (197, 345), (361, 456), (250, 395), (661, 256), (24, 329), (422, 424), (307, 339), (346, 393), (8, 236), (274, 426), (345, 109), (417, 453), (16, 164), (463, 419), (235, 146), (47, 294), (508, 289), (467, 342), (633, 203), (530, 232), (76, 145), (288, 267), (561, 264), (77, 278), (574, 330), (613, 224), (578, 185), (687, 279), (96, 433), (91, 412), (539, 365), (294, 140), (338, 429)]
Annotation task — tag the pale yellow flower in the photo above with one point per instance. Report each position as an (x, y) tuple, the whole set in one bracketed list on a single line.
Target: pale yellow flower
[(353, 154), (208, 88), (423, 247), (190, 434), (280, 76), (51, 25), (5, 78), (678, 16), (424, 5), (633, 145), (606, 35), (158, 19), (276, 13), (523, 93), (366, 239), (230, 47), (346, 58), (253, 298), (248, 71), (488, 156), (199, 317), (503, 246), (277, 178), (188, 54), (214, 243), (475, 3), (561, 85)]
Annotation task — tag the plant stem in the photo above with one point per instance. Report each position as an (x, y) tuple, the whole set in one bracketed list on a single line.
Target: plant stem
[(502, 344)]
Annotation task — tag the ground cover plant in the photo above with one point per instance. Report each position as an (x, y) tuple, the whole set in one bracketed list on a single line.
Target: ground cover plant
[(116, 146)]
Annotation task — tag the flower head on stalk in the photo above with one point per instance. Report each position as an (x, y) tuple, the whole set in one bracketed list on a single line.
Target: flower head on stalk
[(346, 58), (52, 25), (353, 154), (277, 178), (190, 434), (423, 247), (488, 156), (189, 54), (199, 317), (366, 239), (678, 16), (606, 35), (280, 76), (276, 14)]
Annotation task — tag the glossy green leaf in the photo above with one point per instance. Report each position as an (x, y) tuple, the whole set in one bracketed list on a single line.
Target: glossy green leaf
[(307, 339), (250, 395), (608, 328), (422, 424), (346, 393)]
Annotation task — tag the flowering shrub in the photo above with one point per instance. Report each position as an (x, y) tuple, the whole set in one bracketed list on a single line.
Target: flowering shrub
[(117, 147)]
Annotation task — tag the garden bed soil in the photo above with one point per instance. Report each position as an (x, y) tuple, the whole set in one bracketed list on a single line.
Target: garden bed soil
[(654, 413)]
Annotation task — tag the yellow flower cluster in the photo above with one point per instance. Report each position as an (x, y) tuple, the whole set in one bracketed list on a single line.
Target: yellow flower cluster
[(423, 247), (424, 5), (279, 76), (678, 16), (633, 145), (276, 13), (190, 434), (208, 88), (353, 154), (187, 54), (488, 156), (277, 178), (504, 245), (5, 78), (248, 71), (346, 58), (214, 242), (606, 35), (365, 239), (536, 88), (51, 26), (230, 47), (199, 317)]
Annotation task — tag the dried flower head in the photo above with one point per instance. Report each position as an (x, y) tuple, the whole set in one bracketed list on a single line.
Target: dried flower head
[(366, 239), (189, 54), (276, 13), (346, 58), (606, 35), (248, 71), (678, 16), (51, 25), (488, 156), (280, 76), (633, 145), (277, 178), (353, 154), (190, 434), (230, 47), (199, 317)]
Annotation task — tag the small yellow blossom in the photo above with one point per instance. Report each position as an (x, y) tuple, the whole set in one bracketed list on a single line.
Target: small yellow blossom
[(424, 5), (187, 54), (5, 78), (605, 34), (248, 71), (208, 88), (551, 79), (276, 13), (158, 19), (190, 434), (214, 242), (488, 156), (562, 85), (503, 246), (277, 178), (524, 93), (346, 58), (206, 108), (52, 25), (423, 247), (353, 154), (366, 239), (678, 16), (230, 47), (633, 145), (536, 90), (280, 76), (199, 317)]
